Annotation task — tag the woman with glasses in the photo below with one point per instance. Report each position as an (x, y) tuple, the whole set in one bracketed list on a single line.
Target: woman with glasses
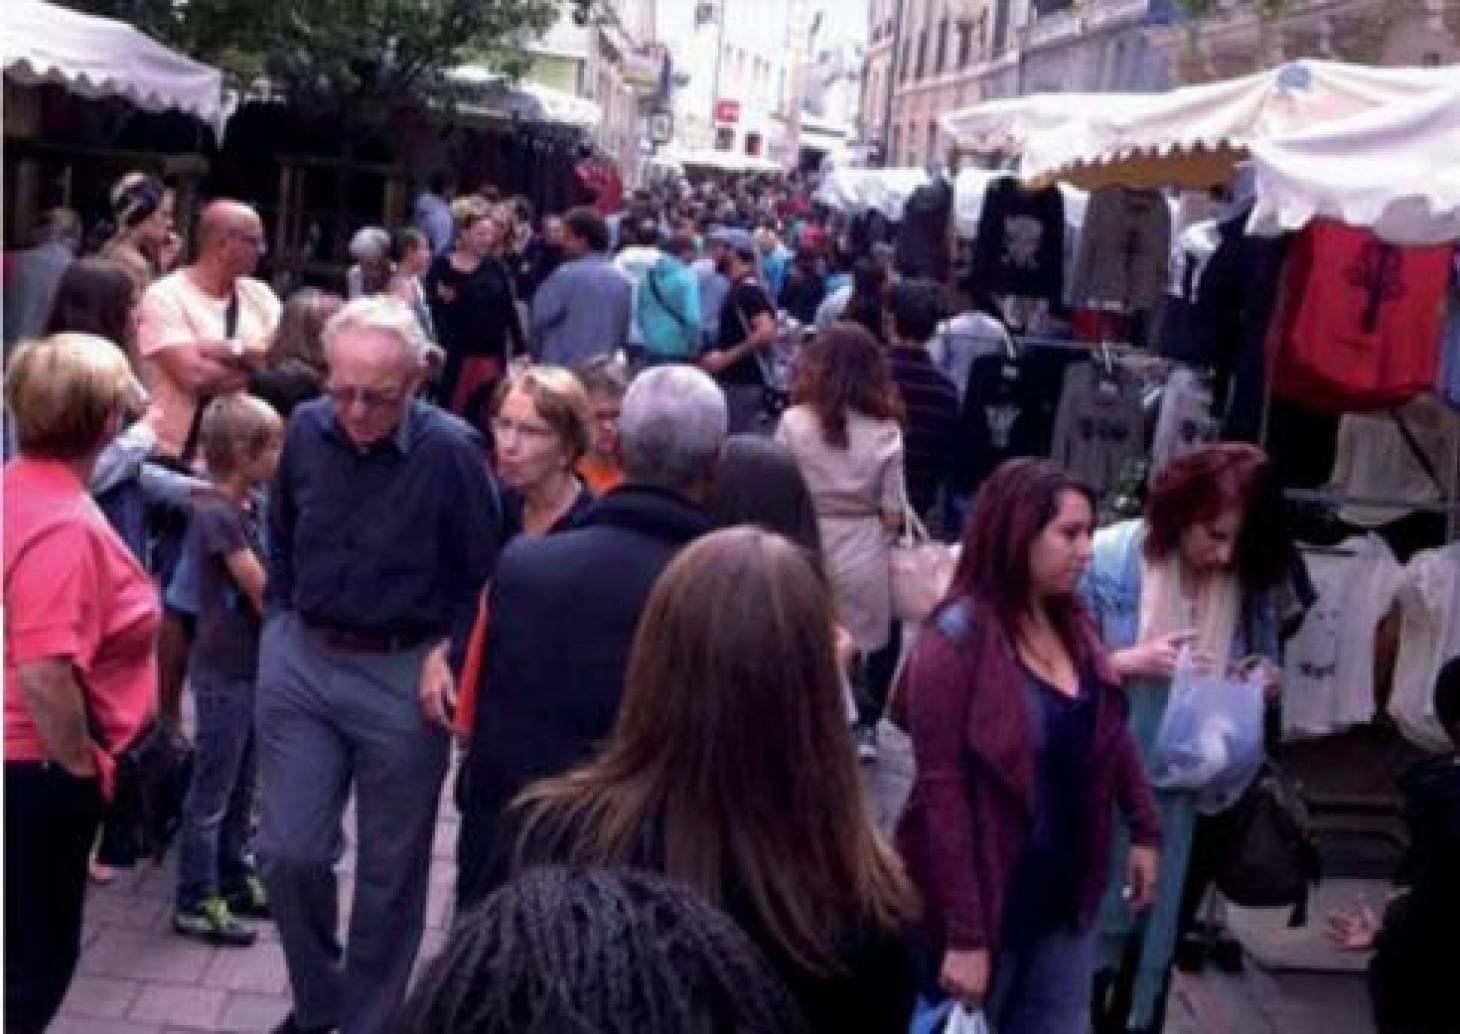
[(474, 311), (541, 429)]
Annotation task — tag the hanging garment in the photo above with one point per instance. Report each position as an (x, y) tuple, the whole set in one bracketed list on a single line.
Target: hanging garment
[(1098, 427), (922, 236), (1358, 324), (1185, 421), (1008, 410), (1408, 455), (1124, 255), (1429, 636), (1179, 336), (1019, 248), (1328, 667)]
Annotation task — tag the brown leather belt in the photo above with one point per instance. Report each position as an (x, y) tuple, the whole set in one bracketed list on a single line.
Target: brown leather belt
[(352, 640)]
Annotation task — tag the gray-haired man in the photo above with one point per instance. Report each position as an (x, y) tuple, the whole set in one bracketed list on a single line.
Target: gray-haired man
[(383, 529), (564, 609)]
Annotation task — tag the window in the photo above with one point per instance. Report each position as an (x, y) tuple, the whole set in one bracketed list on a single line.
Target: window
[(725, 139), (1001, 26), (903, 64), (942, 52), (965, 42), (932, 139), (896, 141), (922, 53)]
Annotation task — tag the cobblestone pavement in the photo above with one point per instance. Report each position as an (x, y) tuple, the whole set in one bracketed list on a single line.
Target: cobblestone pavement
[(137, 977)]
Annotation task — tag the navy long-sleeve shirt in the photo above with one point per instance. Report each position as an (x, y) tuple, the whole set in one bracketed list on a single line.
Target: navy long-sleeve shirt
[(396, 540)]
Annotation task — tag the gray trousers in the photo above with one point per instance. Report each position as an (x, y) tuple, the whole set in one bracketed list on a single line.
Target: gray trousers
[(328, 719)]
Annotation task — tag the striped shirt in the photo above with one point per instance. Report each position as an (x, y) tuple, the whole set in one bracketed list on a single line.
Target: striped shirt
[(930, 438)]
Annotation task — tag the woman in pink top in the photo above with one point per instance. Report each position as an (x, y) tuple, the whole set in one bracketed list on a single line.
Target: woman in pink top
[(80, 655)]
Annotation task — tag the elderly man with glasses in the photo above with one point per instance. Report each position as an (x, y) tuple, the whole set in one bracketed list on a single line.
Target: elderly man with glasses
[(383, 527)]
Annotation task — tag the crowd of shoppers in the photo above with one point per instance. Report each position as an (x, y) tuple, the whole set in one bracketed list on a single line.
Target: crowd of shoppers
[(533, 488)]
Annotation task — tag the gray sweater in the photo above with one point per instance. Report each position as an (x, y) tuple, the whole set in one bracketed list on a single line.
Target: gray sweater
[(583, 310)]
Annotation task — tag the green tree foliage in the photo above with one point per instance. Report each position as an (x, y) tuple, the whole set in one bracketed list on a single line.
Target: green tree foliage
[(341, 54)]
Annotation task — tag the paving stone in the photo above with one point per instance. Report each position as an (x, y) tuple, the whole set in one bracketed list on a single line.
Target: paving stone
[(246, 1013), (195, 1007), (146, 956), (259, 969), (86, 1025), (127, 911), (99, 997)]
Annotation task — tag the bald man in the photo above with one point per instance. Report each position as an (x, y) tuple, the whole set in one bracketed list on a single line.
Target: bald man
[(207, 325)]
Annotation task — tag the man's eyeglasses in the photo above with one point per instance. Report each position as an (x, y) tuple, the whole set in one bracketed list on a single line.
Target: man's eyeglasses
[(370, 398)]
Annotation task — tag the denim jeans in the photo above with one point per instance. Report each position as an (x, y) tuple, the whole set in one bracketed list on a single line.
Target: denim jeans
[(213, 842), (1043, 987)]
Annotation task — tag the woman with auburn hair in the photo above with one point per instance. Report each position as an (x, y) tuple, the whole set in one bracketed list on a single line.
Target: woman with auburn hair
[(1018, 729), (844, 432), (730, 772), (1198, 572)]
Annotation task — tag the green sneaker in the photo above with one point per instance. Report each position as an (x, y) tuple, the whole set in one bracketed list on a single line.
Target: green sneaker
[(211, 921), (249, 900)]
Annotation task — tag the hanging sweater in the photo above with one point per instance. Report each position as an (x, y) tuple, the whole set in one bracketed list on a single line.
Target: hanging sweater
[(1125, 249), (1019, 249)]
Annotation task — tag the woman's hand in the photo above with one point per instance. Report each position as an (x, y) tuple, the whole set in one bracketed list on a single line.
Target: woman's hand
[(965, 975), (1268, 674), (1354, 930), (1143, 872), (846, 647), (1155, 658)]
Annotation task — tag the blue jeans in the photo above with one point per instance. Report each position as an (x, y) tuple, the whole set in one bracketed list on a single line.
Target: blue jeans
[(1043, 987), (213, 853)]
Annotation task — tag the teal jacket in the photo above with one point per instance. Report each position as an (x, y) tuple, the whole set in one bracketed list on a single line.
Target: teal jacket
[(669, 311)]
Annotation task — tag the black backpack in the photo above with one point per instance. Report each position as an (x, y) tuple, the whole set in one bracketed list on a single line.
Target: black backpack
[(1269, 856)]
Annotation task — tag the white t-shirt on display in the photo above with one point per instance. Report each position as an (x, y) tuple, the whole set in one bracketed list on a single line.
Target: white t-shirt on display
[(1429, 636), (1328, 667)]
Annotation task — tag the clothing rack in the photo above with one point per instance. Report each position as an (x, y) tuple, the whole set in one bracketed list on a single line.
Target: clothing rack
[(1337, 498)]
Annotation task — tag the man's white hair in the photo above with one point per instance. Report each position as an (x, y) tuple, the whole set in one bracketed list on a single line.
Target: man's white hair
[(379, 314), (672, 427), (370, 242)]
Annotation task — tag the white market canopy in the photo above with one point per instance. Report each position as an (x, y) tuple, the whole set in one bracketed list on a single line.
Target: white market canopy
[(725, 161), (102, 57), (1007, 124), (880, 190), (482, 89), (1395, 169), (971, 185), (1193, 136)]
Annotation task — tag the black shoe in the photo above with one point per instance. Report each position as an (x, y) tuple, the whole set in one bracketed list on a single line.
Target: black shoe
[(290, 1026), (1191, 953), (1227, 954)]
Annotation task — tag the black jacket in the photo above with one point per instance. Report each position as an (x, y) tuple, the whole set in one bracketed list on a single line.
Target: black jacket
[(563, 611)]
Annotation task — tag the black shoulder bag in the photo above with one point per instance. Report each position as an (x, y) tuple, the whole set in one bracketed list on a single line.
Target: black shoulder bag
[(190, 443)]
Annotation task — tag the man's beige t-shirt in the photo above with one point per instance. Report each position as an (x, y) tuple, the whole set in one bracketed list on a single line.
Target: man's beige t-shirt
[(175, 312)]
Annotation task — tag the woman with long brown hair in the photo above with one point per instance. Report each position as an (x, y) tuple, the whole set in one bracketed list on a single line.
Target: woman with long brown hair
[(730, 772), (1018, 729), (844, 432)]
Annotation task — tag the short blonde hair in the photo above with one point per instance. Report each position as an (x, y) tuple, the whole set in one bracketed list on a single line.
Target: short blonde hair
[(468, 210), (65, 390), (236, 427), (561, 401)]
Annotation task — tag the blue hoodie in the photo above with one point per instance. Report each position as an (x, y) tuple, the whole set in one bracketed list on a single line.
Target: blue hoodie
[(669, 311)]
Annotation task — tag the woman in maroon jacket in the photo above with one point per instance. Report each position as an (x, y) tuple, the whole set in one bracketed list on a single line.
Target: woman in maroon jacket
[(1018, 728)]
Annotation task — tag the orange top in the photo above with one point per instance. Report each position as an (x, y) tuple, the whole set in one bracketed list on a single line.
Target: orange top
[(600, 477)]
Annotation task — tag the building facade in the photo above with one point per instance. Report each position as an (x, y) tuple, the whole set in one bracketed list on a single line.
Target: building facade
[(930, 57), (611, 60)]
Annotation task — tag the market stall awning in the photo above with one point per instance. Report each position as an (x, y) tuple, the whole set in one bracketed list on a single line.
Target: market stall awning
[(725, 161), (971, 186), (1006, 124), (881, 190), (102, 57), (1395, 169), (481, 89), (1192, 137)]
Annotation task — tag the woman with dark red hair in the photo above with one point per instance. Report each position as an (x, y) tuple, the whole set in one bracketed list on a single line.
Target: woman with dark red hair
[(1197, 572), (1023, 754)]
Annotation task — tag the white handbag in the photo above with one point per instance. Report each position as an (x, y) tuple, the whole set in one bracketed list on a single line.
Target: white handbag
[(922, 569)]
